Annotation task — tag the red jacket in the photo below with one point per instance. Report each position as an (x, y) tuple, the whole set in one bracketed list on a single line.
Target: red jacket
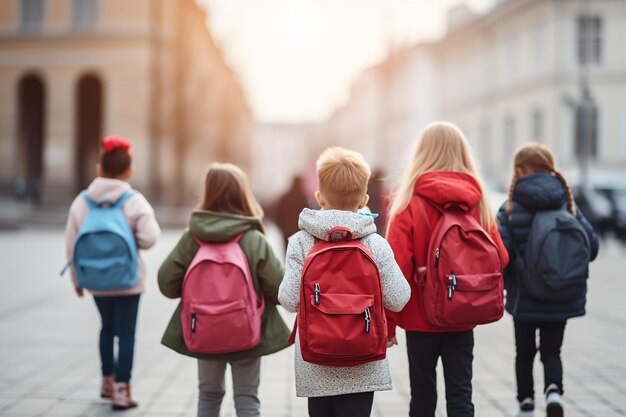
[(410, 232)]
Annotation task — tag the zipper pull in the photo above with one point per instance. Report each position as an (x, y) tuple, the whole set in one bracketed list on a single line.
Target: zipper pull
[(316, 296), (452, 286), (436, 257), (193, 322), (368, 319)]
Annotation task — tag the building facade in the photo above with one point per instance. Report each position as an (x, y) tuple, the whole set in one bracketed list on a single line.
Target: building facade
[(72, 71), (507, 77)]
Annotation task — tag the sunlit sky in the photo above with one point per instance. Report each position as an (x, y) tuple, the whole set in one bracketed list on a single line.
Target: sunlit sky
[(297, 58)]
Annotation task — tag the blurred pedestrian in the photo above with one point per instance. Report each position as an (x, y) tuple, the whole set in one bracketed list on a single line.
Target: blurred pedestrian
[(289, 206), (550, 244), (347, 339), (441, 175), (227, 215), (106, 224), (379, 199)]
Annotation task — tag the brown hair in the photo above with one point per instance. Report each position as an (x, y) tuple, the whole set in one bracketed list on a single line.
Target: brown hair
[(343, 176), (536, 158), (115, 162), (226, 190)]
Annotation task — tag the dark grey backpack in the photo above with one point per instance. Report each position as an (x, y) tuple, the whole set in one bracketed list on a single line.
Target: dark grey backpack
[(557, 257)]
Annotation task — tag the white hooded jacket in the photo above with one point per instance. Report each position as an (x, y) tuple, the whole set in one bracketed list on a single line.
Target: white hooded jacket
[(137, 211), (317, 380)]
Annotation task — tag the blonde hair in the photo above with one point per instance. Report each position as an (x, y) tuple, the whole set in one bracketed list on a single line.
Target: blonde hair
[(343, 176), (226, 190), (441, 146), (535, 158)]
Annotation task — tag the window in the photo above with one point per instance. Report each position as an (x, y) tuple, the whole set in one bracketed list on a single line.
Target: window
[(536, 125), (31, 14), (84, 14), (589, 40), (582, 146), (510, 141)]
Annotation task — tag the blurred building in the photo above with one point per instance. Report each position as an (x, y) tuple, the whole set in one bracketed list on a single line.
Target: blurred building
[(506, 77), (72, 71)]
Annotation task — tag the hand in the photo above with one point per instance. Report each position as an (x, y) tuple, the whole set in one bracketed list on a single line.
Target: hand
[(391, 341), (79, 291)]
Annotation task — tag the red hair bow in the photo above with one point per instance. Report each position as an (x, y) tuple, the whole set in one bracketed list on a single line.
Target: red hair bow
[(111, 143)]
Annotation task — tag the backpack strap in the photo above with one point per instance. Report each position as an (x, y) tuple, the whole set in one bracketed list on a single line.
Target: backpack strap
[(90, 203), (95, 204), (120, 201)]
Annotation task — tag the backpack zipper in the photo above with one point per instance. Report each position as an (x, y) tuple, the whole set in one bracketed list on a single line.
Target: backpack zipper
[(317, 293), (193, 323), (452, 286), (436, 257), (368, 319)]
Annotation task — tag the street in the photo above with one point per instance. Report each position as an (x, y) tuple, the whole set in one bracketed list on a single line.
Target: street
[(49, 363)]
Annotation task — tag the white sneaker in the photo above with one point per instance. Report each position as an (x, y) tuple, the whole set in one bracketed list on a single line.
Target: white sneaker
[(526, 408), (554, 401)]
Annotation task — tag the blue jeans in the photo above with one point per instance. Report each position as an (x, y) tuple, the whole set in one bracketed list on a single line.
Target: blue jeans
[(119, 317)]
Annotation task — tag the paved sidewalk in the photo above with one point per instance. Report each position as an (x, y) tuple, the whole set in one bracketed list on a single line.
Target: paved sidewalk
[(49, 365)]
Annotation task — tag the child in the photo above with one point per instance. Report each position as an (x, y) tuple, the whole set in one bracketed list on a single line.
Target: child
[(340, 391), (228, 209), (118, 309), (537, 186), (441, 171)]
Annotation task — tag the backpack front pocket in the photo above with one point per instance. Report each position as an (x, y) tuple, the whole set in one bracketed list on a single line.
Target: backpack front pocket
[(472, 299), (217, 328), (342, 325)]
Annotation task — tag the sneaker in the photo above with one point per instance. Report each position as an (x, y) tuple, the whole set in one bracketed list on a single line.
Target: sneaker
[(107, 387), (554, 402), (122, 400), (526, 408)]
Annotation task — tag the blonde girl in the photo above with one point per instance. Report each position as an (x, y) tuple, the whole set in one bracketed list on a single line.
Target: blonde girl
[(537, 185), (227, 209), (441, 171)]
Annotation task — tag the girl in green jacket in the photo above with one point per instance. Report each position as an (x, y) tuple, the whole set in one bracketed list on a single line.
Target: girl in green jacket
[(228, 209)]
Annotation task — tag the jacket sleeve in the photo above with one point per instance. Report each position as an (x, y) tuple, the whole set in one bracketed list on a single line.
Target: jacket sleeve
[(172, 270), (396, 289), (505, 232), (400, 238), (147, 229), (289, 290), (591, 235), (268, 268), (504, 254)]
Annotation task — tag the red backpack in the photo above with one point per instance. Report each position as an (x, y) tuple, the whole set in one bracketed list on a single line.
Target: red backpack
[(341, 319), (221, 311), (463, 285)]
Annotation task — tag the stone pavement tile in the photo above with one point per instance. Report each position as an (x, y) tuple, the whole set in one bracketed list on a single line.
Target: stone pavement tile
[(65, 409)]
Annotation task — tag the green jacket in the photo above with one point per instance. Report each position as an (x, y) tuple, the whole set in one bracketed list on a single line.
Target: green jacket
[(267, 274)]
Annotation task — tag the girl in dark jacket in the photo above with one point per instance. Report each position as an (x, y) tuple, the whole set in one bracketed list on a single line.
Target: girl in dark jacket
[(537, 186)]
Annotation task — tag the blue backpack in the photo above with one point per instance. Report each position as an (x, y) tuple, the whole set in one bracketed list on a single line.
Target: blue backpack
[(105, 252), (557, 257)]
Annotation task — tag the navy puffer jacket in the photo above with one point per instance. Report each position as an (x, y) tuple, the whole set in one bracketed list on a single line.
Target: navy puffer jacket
[(534, 193)]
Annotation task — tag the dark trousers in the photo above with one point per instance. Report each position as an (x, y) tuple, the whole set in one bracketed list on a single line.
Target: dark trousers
[(456, 351), (347, 405), (550, 341), (119, 317)]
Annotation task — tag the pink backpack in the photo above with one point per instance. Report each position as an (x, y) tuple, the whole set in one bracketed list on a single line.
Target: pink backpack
[(221, 311)]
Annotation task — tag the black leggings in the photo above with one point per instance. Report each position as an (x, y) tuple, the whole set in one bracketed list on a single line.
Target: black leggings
[(347, 405), (456, 351), (550, 341)]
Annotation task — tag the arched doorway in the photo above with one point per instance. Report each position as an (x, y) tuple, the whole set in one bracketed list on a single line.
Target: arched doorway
[(88, 128), (30, 138)]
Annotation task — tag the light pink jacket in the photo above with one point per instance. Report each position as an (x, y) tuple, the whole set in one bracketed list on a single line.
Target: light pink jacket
[(136, 209)]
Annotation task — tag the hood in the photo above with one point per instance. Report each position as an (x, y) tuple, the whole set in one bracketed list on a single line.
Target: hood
[(210, 226), (445, 187), (319, 222), (107, 189), (539, 192)]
